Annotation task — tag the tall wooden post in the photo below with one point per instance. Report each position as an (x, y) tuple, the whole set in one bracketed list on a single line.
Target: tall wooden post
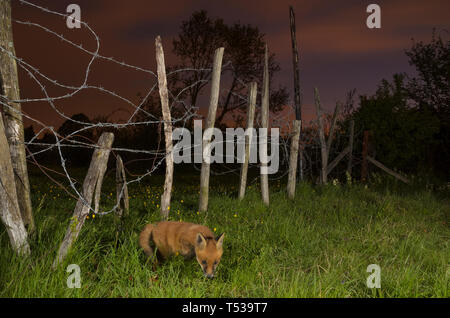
[(164, 95), (265, 125), (210, 121), (297, 103), (248, 138), (97, 167), (293, 159), (13, 114), (9, 206)]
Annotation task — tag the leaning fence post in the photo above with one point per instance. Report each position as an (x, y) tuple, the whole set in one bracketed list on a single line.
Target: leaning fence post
[(164, 94), (13, 114), (9, 206), (210, 121), (265, 125), (248, 138), (97, 167), (336, 160), (387, 170)]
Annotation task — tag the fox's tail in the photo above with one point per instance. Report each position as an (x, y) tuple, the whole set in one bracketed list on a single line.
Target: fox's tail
[(144, 239)]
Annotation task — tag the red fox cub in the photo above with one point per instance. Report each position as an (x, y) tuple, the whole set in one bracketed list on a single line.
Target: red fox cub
[(184, 238)]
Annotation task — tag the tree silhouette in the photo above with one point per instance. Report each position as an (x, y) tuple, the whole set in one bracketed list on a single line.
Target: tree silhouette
[(244, 46), (430, 90)]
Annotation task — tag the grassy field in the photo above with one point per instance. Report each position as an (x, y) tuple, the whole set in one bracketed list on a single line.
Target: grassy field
[(318, 245)]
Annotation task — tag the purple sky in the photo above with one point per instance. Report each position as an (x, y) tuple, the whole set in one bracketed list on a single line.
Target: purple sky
[(337, 51)]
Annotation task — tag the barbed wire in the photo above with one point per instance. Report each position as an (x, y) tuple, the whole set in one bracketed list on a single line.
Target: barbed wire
[(139, 117)]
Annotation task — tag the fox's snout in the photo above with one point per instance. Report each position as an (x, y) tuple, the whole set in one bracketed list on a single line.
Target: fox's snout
[(208, 275), (209, 268), (209, 272)]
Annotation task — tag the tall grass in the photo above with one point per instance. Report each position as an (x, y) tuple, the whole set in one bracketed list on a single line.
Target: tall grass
[(318, 245)]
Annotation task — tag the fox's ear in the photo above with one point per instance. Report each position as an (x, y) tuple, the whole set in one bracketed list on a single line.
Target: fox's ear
[(201, 241), (219, 240)]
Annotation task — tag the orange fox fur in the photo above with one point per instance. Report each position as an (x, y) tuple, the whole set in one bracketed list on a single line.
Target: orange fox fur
[(184, 238)]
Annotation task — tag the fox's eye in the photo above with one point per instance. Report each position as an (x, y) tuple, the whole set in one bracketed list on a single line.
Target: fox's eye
[(215, 263), (204, 262)]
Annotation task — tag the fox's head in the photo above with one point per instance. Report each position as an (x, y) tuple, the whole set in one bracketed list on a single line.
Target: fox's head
[(208, 252)]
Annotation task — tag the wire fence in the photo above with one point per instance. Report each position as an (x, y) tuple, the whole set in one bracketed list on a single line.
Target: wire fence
[(140, 116)]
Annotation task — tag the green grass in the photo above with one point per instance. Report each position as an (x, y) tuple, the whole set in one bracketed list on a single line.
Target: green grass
[(318, 245)]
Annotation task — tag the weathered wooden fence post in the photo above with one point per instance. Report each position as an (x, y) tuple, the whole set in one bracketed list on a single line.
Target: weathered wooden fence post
[(298, 105), (265, 125), (123, 205), (98, 189), (164, 95), (97, 167), (293, 159), (13, 114), (323, 146), (9, 206), (210, 121), (248, 138)]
